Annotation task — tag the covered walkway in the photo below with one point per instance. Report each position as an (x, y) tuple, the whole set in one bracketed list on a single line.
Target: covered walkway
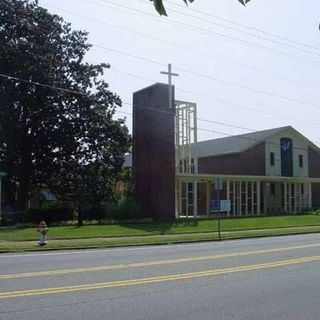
[(248, 195)]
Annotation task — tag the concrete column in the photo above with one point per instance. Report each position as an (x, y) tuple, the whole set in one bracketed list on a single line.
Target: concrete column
[(234, 197), (295, 198), (187, 199), (179, 205), (285, 197), (240, 198), (252, 198), (208, 197), (177, 199), (300, 197), (310, 194), (228, 194), (246, 183), (290, 196), (258, 198), (195, 199)]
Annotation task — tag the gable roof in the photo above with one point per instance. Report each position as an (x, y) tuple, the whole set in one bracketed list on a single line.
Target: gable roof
[(234, 144), (242, 142)]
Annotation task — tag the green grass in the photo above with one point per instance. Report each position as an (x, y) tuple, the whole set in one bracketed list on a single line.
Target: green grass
[(149, 229), (19, 246)]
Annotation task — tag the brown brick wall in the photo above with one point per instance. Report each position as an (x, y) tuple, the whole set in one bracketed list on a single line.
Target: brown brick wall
[(316, 195), (314, 163), (154, 152), (250, 162), (314, 172)]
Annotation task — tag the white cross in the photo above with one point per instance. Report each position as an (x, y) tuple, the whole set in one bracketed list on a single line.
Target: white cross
[(170, 75)]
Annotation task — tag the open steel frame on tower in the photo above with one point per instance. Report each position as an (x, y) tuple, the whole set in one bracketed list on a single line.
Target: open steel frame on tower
[(186, 157)]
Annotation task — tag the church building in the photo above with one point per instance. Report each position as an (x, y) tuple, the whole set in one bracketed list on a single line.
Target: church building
[(264, 172)]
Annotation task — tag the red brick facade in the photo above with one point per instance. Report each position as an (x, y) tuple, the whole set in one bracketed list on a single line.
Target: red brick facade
[(154, 152), (314, 172), (249, 162)]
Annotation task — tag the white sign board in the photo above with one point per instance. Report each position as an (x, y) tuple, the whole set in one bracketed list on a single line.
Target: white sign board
[(225, 205)]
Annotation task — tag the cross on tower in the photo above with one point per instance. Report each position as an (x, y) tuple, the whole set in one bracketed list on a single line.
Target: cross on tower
[(170, 75)]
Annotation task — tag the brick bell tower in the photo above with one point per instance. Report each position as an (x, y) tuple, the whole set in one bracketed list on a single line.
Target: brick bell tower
[(154, 151)]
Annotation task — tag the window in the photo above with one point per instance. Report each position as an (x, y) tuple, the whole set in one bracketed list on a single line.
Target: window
[(272, 188), (271, 158), (301, 161)]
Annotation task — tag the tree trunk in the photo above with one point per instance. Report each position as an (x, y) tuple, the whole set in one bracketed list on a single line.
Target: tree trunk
[(80, 205)]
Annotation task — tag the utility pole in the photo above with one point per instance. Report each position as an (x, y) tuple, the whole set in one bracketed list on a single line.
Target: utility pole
[(170, 74)]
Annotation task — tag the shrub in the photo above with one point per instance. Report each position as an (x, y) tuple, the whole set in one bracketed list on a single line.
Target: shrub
[(51, 212), (127, 208), (124, 208), (94, 213)]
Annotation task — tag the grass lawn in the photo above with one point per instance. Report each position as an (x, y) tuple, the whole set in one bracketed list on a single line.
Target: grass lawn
[(85, 243), (156, 229)]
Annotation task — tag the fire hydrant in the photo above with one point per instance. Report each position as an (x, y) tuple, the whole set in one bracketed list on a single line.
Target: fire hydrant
[(42, 229)]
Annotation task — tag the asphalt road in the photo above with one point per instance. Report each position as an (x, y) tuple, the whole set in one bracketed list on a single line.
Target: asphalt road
[(267, 278)]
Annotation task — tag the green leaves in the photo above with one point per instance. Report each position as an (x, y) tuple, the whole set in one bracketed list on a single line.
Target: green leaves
[(244, 2), (158, 4), (65, 140)]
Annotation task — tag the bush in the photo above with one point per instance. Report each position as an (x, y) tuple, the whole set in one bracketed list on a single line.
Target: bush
[(51, 212), (125, 208), (94, 213)]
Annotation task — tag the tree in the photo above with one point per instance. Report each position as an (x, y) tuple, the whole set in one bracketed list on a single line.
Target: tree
[(57, 123), (158, 4)]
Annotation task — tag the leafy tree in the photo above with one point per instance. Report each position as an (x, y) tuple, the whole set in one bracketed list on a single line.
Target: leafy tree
[(158, 4), (56, 112)]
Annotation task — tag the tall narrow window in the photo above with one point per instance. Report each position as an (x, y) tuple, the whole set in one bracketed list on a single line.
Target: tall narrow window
[(271, 158), (301, 161)]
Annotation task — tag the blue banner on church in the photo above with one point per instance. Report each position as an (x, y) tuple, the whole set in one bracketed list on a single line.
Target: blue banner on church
[(286, 157)]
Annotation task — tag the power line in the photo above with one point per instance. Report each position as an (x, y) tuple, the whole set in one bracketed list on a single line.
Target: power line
[(139, 106), (249, 88), (212, 99), (76, 92), (216, 79), (67, 90), (203, 120), (230, 83), (41, 84), (9, 77), (207, 32), (246, 26), (241, 31), (243, 65), (212, 131), (162, 64)]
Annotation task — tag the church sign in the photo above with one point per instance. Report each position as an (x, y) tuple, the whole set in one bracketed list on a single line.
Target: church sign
[(220, 205)]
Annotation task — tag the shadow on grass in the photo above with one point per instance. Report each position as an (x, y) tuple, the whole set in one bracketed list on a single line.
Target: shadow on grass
[(161, 227)]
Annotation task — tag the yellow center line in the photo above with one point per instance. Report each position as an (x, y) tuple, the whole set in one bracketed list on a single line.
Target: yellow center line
[(151, 263), (157, 279)]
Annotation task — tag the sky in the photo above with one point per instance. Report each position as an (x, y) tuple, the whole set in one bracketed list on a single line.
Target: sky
[(247, 68)]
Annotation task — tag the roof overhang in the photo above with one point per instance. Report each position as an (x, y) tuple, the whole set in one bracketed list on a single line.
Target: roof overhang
[(210, 177)]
